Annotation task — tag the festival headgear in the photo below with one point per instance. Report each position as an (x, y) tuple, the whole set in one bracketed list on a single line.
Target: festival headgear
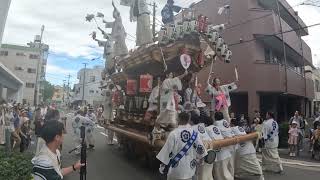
[(294, 122)]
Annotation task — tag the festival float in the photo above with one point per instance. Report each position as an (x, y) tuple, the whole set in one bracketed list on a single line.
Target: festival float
[(187, 45)]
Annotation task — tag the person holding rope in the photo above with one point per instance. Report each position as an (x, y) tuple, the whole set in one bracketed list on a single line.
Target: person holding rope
[(182, 151), (246, 161)]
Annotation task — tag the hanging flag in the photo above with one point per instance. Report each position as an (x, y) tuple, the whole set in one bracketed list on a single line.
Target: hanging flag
[(125, 2), (236, 73)]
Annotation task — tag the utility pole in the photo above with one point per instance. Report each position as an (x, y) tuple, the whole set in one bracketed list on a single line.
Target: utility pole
[(37, 84), (83, 82), (304, 65), (68, 90), (154, 5), (154, 21), (284, 48), (63, 91)]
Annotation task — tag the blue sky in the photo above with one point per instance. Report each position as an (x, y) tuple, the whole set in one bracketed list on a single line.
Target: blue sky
[(60, 65), (67, 32)]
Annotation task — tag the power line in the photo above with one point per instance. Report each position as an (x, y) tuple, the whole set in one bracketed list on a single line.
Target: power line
[(269, 35)]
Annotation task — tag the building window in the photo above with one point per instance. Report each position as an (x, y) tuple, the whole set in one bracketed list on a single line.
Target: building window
[(17, 68), (30, 85), (24, 101), (92, 78), (317, 84), (31, 70), (20, 54), (91, 91), (34, 56), (4, 53), (97, 92)]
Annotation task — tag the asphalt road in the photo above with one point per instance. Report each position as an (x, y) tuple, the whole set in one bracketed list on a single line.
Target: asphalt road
[(110, 163)]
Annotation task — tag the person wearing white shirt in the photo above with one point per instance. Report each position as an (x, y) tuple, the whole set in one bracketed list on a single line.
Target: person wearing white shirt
[(246, 159), (47, 163), (270, 156), (226, 132), (204, 169), (89, 123), (221, 170), (182, 151), (169, 100)]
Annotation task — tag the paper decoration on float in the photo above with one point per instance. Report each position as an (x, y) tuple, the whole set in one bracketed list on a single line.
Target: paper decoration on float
[(146, 81)]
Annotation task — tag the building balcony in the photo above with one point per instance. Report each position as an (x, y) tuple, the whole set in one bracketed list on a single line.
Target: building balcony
[(287, 14), (272, 78), (264, 31)]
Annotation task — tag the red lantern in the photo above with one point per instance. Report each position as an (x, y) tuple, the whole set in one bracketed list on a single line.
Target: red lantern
[(146, 83), (131, 87)]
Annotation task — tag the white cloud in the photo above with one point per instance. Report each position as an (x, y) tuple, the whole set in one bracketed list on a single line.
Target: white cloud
[(67, 32), (310, 15), (53, 69)]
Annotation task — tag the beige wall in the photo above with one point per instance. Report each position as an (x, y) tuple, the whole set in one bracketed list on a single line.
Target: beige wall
[(12, 60)]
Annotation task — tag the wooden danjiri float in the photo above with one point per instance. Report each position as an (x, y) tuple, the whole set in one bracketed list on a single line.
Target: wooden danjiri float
[(193, 42)]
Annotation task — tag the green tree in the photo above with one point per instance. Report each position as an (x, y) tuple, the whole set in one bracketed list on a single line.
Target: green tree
[(48, 91)]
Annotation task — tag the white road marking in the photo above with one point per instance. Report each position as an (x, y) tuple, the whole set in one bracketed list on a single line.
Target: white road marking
[(296, 163), (104, 134)]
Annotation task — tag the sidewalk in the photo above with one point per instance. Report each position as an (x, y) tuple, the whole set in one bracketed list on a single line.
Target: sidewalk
[(304, 155)]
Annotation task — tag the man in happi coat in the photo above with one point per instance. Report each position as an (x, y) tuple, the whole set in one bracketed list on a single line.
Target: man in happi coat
[(221, 168), (169, 101), (108, 110), (76, 124), (194, 103), (220, 96), (182, 151), (89, 127), (204, 169), (246, 160), (270, 156)]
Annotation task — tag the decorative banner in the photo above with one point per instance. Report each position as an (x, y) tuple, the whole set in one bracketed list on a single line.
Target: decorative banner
[(236, 73), (131, 87), (185, 60), (146, 83)]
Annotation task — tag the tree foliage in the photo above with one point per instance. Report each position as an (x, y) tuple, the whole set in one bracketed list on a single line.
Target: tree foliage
[(48, 91), (15, 166)]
